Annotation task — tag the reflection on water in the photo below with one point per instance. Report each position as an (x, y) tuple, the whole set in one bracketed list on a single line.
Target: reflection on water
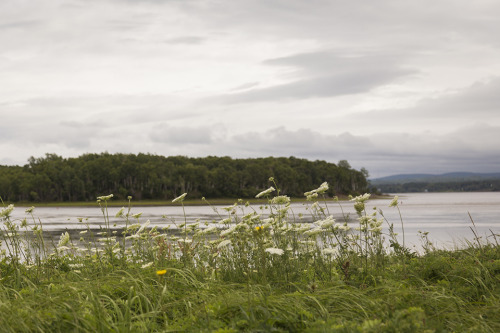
[(444, 215)]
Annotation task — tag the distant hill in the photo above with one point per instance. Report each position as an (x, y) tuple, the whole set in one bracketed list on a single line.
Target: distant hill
[(448, 182), (430, 178)]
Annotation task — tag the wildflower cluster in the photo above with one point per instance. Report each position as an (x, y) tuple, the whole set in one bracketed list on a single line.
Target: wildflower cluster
[(244, 243)]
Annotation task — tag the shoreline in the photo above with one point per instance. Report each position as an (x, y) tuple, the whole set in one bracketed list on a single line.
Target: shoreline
[(159, 203)]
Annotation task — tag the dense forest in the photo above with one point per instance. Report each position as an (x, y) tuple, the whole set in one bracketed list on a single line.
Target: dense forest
[(145, 176), (455, 186)]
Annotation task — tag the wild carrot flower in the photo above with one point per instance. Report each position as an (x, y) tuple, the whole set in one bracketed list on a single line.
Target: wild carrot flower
[(180, 198), (120, 212), (394, 202), (322, 188), (149, 264), (329, 251), (314, 193), (105, 197), (265, 192), (326, 223), (6, 211), (313, 232), (210, 230), (144, 226), (63, 240), (361, 198), (136, 216), (312, 196), (273, 250), (280, 200)]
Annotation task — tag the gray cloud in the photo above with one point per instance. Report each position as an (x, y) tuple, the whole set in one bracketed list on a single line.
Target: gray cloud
[(245, 86), (190, 40), (325, 74), (480, 99), (19, 24), (479, 102), (328, 86), (184, 77), (166, 134)]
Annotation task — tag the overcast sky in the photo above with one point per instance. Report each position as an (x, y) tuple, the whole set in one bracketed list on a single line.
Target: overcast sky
[(393, 86)]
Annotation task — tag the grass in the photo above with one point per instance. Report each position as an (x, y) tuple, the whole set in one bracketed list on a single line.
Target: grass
[(250, 273)]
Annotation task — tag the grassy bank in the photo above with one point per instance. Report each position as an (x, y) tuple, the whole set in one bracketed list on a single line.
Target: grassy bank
[(253, 274)]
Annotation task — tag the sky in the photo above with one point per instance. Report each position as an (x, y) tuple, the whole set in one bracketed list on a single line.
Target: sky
[(392, 86)]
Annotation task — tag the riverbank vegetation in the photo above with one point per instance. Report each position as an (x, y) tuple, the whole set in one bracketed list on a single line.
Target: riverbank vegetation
[(253, 271), (154, 177)]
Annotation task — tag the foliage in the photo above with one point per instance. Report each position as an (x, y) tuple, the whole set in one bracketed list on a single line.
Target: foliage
[(255, 270), (145, 176), (455, 186)]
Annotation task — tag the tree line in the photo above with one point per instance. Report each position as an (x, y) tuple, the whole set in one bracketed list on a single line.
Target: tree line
[(455, 186), (146, 176)]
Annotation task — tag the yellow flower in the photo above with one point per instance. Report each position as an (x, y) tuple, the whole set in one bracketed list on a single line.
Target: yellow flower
[(161, 272), (258, 228)]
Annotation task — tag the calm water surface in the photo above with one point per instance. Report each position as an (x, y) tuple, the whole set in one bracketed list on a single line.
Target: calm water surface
[(444, 215)]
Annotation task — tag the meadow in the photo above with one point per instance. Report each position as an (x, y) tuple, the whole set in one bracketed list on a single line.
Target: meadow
[(262, 271)]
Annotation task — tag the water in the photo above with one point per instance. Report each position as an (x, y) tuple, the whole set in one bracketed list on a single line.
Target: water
[(444, 215)]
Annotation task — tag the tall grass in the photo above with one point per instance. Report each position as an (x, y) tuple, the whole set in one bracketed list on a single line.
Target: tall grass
[(253, 270)]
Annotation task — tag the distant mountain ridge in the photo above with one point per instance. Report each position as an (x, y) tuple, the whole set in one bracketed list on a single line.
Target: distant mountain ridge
[(433, 178)]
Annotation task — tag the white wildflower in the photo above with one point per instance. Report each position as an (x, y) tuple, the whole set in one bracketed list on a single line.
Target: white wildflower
[(228, 231), (273, 250), (120, 212), (280, 200), (303, 228), (30, 210), (326, 223), (180, 198), (361, 198), (265, 192), (311, 197), (63, 240), (345, 227), (329, 251), (224, 243), (6, 211), (149, 264), (134, 236), (313, 231), (230, 208), (105, 197), (144, 226), (394, 202), (314, 193), (210, 230)]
